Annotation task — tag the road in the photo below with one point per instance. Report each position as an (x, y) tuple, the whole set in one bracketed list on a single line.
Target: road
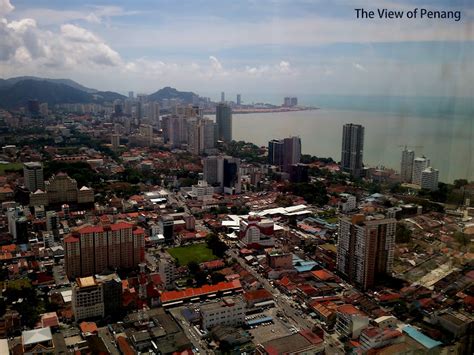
[(108, 340), (189, 330), (298, 321)]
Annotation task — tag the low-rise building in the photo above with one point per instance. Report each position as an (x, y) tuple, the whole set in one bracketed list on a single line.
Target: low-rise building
[(373, 337), (347, 203), (277, 259), (37, 341), (228, 312), (304, 342), (350, 321)]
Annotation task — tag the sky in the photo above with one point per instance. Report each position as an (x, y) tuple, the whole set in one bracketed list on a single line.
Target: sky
[(284, 47)]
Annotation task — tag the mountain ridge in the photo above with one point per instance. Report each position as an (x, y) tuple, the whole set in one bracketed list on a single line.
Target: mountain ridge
[(15, 92)]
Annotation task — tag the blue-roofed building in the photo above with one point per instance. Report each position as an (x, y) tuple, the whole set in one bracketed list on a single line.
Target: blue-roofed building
[(303, 265), (429, 346), (257, 321)]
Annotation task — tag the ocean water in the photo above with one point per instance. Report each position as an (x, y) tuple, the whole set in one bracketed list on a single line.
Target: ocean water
[(441, 128), (448, 141)]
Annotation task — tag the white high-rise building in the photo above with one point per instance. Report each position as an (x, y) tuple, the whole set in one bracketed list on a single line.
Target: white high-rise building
[(167, 271), (201, 134), (406, 169), (429, 179), (33, 176), (419, 164)]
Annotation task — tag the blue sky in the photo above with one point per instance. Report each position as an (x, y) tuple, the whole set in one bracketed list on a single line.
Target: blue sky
[(272, 47)]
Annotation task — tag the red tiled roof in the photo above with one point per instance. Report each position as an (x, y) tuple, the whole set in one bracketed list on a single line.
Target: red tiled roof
[(88, 327), (91, 229), (349, 309), (311, 337), (120, 225), (10, 247), (322, 274), (170, 296), (71, 239), (213, 264), (260, 294), (124, 346)]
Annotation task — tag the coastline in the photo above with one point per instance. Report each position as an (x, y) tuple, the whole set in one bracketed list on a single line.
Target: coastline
[(265, 110)]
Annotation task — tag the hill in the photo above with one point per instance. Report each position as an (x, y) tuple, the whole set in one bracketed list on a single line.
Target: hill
[(171, 93), (69, 82), (17, 94)]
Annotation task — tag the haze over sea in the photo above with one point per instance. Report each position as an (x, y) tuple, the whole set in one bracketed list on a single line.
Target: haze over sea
[(442, 129)]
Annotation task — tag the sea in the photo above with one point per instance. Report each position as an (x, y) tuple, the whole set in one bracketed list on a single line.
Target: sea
[(442, 129)]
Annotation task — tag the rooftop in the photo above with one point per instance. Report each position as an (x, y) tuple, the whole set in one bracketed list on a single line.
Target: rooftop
[(34, 336), (421, 338), (86, 281)]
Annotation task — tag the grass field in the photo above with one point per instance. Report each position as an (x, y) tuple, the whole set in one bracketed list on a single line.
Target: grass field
[(197, 252), (10, 166)]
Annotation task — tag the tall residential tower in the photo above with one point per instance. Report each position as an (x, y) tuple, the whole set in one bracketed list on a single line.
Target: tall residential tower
[(224, 122), (352, 149), (33, 176), (365, 248), (406, 169)]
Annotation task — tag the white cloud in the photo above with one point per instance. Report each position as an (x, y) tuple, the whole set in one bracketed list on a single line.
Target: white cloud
[(72, 50), (215, 64), (91, 14), (359, 67), (24, 42), (5, 7)]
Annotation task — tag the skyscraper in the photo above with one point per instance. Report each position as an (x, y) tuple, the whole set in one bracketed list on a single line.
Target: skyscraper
[(365, 248), (33, 176), (222, 96), (115, 141), (406, 169), (223, 171), (201, 135), (284, 152), (352, 149), (291, 152), (224, 122), (419, 164), (275, 152), (239, 99)]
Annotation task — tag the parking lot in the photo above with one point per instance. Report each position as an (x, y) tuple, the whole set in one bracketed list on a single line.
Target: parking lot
[(277, 329)]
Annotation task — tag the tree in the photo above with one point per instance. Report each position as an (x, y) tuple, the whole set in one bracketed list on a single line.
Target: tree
[(217, 246), (284, 201), (313, 193), (217, 277), (458, 183), (201, 278), (193, 267), (462, 238), (403, 233)]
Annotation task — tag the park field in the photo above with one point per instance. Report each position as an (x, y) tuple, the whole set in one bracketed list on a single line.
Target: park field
[(10, 167), (196, 252)]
